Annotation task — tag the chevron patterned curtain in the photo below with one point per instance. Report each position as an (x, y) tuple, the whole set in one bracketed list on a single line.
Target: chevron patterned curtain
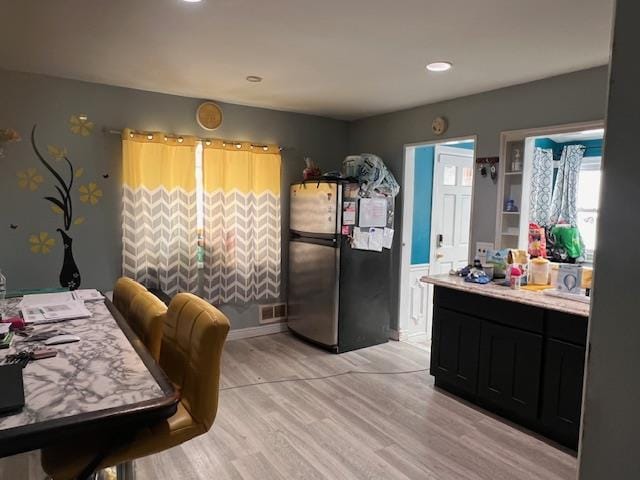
[(159, 235), (241, 222)]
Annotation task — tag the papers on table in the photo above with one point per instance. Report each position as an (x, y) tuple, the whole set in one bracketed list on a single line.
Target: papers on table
[(60, 297), (55, 307), (88, 294)]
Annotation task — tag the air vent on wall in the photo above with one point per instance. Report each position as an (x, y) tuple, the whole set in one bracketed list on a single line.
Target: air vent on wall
[(273, 313)]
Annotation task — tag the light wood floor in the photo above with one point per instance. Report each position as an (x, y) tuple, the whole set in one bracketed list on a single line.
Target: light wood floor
[(352, 426)]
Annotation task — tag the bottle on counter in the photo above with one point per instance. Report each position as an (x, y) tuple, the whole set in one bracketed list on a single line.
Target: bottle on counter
[(515, 277)]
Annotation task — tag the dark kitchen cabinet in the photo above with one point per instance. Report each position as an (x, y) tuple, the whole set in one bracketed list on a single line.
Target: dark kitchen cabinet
[(510, 367), (562, 390), (522, 362), (454, 356)]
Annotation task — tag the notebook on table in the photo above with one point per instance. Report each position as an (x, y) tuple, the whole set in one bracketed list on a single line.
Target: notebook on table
[(11, 389)]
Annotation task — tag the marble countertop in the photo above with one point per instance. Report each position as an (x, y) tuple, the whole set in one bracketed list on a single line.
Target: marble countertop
[(102, 371), (528, 297)]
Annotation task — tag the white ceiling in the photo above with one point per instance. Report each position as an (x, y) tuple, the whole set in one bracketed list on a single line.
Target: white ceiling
[(339, 58)]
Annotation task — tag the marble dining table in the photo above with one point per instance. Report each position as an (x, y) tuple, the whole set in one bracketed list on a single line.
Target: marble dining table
[(106, 380)]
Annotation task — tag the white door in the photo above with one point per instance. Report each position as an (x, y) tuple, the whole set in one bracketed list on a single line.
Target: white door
[(451, 209)]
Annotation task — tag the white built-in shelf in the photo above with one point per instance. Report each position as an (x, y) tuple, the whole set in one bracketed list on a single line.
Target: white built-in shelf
[(507, 234), (511, 213), (513, 173)]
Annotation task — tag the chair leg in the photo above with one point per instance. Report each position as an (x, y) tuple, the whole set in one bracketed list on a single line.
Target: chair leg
[(126, 471)]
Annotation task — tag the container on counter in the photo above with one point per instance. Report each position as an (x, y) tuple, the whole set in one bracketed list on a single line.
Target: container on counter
[(515, 278), (539, 269), (488, 269)]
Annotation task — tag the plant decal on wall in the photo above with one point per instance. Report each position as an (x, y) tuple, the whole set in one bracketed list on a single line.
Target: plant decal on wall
[(62, 204)]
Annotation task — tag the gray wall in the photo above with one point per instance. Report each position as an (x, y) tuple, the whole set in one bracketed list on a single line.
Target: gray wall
[(575, 97), (611, 420), (26, 99)]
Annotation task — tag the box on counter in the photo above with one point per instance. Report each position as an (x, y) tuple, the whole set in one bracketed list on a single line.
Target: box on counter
[(569, 278)]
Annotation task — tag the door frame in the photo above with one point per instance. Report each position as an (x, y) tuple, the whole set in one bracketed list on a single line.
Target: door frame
[(435, 190), (407, 190)]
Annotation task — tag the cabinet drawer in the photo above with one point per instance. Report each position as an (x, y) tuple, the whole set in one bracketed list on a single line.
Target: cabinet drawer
[(567, 327), (510, 369), (455, 349), (505, 312)]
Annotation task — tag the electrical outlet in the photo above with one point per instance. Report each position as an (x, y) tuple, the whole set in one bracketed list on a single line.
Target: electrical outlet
[(481, 251)]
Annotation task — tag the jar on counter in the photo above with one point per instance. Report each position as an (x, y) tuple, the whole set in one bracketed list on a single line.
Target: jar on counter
[(539, 270)]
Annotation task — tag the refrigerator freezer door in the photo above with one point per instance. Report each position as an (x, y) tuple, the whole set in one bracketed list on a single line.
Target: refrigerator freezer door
[(313, 291), (314, 208)]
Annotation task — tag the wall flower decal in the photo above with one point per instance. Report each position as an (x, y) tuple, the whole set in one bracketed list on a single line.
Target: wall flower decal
[(8, 135), (90, 193), (57, 210), (29, 179), (57, 153), (41, 243), (80, 125)]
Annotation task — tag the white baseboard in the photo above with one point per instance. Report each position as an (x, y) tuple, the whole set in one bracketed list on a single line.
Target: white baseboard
[(404, 335), (259, 331)]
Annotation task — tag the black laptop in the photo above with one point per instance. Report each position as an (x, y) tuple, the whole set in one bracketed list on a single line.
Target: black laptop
[(11, 389)]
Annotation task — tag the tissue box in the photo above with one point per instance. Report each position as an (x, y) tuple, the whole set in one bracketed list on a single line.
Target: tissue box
[(569, 278)]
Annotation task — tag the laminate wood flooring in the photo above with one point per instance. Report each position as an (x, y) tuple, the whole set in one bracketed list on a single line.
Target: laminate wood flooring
[(349, 426)]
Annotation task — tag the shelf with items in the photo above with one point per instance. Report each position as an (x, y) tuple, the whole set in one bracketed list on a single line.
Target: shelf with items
[(511, 189)]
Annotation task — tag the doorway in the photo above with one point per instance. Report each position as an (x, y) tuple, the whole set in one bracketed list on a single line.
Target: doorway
[(437, 199)]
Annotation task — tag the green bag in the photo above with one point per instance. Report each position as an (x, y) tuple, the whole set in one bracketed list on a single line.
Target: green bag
[(569, 239)]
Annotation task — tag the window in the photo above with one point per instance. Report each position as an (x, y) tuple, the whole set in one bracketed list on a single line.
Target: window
[(449, 177), (588, 202)]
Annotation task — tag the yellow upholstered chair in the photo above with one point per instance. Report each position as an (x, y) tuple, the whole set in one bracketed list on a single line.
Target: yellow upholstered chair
[(192, 342), (146, 318), (124, 291)]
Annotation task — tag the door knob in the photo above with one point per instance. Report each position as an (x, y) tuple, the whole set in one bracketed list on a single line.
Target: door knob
[(439, 255)]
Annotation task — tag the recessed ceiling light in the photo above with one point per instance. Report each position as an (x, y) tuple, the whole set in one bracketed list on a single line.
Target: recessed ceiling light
[(254, 79), (192, 1), (439, 66)]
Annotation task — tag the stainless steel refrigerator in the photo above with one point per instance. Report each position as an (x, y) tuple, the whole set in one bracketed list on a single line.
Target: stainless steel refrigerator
[(337, 296)]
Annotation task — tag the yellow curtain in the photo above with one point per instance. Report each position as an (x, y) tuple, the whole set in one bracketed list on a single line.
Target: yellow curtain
[(242, 222), (159, 211)]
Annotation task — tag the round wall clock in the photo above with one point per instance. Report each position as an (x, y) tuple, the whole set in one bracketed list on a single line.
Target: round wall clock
[(209, 116), (439, 125)]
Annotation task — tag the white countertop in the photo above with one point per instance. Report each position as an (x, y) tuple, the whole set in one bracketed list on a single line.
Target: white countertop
[(528, 297)]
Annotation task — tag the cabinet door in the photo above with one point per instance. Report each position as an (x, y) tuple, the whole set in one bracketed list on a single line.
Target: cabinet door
[(562, 390), (455, 348), (510, 369)]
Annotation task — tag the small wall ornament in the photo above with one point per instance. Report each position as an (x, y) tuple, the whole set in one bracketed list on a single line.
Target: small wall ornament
[(439, 125)]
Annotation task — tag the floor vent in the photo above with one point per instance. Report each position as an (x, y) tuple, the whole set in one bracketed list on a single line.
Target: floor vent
[(273, 313)]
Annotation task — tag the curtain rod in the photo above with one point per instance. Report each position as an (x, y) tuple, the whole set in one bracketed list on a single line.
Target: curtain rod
[(114, 131)]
